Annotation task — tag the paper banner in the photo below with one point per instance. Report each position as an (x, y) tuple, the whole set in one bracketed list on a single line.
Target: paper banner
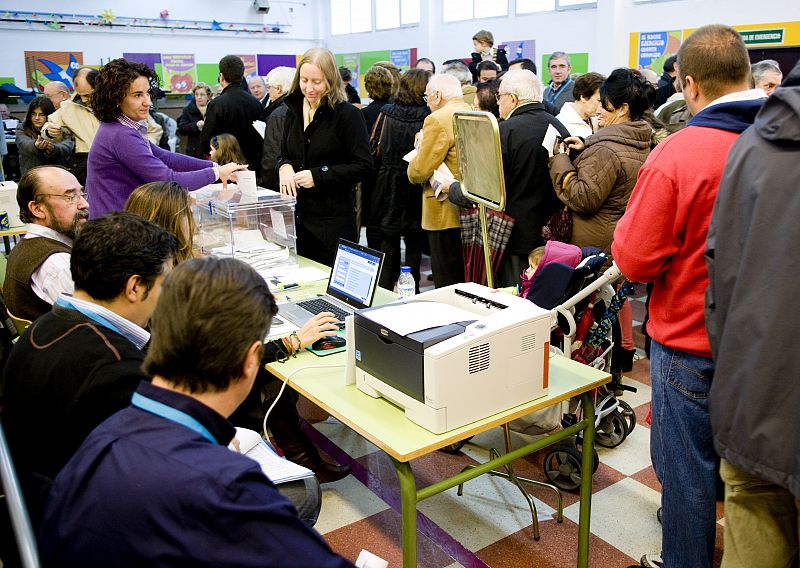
[(250, 65), (656, 47), (180, 72), (41, 67), (401, 58)]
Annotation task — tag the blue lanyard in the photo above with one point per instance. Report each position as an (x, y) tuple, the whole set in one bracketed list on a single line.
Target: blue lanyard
[(97, 318), (173, 414), (555, 92)]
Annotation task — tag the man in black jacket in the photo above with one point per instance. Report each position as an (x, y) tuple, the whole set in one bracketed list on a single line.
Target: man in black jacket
[(666, 83), (233, 112), (755, 400), (78, 364), (530, 198)]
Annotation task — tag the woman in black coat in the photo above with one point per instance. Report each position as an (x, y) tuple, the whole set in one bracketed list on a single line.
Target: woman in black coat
[(324, 154), (190, 123), (396, 203)]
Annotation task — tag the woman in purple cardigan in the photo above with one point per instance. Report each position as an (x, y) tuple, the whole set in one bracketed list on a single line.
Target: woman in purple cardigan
[(121, 157)]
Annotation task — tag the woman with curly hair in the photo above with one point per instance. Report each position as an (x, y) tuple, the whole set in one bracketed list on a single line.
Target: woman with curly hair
[(121, 157)]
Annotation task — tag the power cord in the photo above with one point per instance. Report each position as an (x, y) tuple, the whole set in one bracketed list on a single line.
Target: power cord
[(283, 387)]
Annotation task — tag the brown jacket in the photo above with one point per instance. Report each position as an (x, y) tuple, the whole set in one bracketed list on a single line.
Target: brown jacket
[(438, 145), (599, 183)]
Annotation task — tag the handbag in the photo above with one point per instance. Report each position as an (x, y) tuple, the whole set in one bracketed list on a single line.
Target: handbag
[(375, 141), (559, 227)]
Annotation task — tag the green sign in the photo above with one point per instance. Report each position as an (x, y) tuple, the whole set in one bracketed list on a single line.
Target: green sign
[(760, 37)]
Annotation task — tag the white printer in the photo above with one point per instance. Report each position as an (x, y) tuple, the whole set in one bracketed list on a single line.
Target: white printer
[(453, 355)]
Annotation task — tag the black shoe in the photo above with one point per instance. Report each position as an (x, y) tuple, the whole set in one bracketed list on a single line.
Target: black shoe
[(328, 472)]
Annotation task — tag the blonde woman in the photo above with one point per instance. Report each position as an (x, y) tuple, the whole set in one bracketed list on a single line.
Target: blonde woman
[(324, 154), (166, 204), (191, 121)]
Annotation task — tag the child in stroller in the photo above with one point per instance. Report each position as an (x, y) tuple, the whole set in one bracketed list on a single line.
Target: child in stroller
[(568, 280)]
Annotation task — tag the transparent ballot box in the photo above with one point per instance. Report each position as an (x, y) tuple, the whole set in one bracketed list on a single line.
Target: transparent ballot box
[(257, 229)]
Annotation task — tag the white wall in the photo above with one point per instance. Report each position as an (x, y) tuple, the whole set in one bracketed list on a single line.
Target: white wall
[(304, 28), (603, 31)]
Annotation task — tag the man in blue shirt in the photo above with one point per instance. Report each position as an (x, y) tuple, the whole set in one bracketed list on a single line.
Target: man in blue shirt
[(78, 364), (559, 91), (155, 484)]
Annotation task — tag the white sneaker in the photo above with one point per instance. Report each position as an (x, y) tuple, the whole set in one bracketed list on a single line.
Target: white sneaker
[(652, 560)]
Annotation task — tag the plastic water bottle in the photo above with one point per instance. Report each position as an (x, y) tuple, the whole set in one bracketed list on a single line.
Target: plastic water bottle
[(405, 284)]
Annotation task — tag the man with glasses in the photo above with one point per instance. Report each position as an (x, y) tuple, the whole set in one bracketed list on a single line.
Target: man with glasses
[(53, 206), (530, 198)]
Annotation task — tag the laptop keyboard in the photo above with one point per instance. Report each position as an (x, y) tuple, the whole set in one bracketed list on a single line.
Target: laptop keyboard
[(318, 305)]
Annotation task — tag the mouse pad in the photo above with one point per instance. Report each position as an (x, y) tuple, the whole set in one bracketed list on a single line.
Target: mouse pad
[(324, 352)]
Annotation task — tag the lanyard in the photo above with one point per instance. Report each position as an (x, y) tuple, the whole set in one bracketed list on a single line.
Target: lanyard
[(173, 414), (555, 92), (97, 318)]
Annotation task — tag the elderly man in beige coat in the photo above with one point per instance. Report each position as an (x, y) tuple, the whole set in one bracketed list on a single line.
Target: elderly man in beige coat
[(440, 218)]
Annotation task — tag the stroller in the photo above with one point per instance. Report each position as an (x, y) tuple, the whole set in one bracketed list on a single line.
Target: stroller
[(568, 281)]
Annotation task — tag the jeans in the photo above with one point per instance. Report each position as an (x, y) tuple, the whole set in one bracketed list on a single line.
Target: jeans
[(682, 451), (762, 522)]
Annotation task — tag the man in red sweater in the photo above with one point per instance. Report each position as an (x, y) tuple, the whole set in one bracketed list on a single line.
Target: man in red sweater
[(661, 239)]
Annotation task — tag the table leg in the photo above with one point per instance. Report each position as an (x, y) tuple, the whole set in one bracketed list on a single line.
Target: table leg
[(408, 500), (7, 244), (587, 465)]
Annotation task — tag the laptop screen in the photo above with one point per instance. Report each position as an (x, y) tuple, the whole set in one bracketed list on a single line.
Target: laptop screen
[(355, 273)]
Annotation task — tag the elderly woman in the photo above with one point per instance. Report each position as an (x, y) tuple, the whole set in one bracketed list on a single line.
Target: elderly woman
[(191, 121), (596, 185), (379, 83), (576, 116), (122, 158), (33, 149), (279, 82), (324, 154)]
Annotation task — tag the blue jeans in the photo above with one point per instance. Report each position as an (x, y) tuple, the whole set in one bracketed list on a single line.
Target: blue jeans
[(682, 450)]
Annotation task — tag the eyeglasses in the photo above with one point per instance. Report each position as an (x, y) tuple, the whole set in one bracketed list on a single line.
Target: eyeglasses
[(498, 96), (69, 197)]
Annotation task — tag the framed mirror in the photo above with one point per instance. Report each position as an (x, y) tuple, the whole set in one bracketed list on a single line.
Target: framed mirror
[(480, 162)]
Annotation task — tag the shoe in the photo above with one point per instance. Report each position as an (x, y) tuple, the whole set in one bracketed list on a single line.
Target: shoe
[(328, 472), (652, 560)]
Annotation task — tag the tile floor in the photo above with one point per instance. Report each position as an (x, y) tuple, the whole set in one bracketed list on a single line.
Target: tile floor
[(490, 524)]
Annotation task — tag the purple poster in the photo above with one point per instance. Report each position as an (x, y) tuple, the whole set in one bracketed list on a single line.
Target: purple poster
[(149, 59), (521, 48), (267, 63)]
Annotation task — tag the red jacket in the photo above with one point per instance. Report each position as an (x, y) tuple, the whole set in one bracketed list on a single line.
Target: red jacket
[(662, 236)]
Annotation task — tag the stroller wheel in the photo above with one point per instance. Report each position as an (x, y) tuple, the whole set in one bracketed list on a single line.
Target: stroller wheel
[(595, 456), (627, 413), (562, 467), (612, 430)]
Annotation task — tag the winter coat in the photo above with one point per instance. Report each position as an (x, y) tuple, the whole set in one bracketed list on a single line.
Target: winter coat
[(599, 183), (530, 198), (438, 146), (335, 149), (371, 112), (233, 112), (752, 256), (187, 125), (273, 137), (395, 202), (30, 156)]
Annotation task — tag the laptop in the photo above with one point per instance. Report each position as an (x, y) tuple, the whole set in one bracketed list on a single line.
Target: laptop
[(351, 286)]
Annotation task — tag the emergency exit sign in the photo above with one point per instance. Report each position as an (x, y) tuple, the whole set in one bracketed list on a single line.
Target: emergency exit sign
[(760, 37)]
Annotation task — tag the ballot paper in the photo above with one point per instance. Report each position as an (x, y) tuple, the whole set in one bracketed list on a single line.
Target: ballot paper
[(404, 319), (260, 126), (550, 139), (276, 468)]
